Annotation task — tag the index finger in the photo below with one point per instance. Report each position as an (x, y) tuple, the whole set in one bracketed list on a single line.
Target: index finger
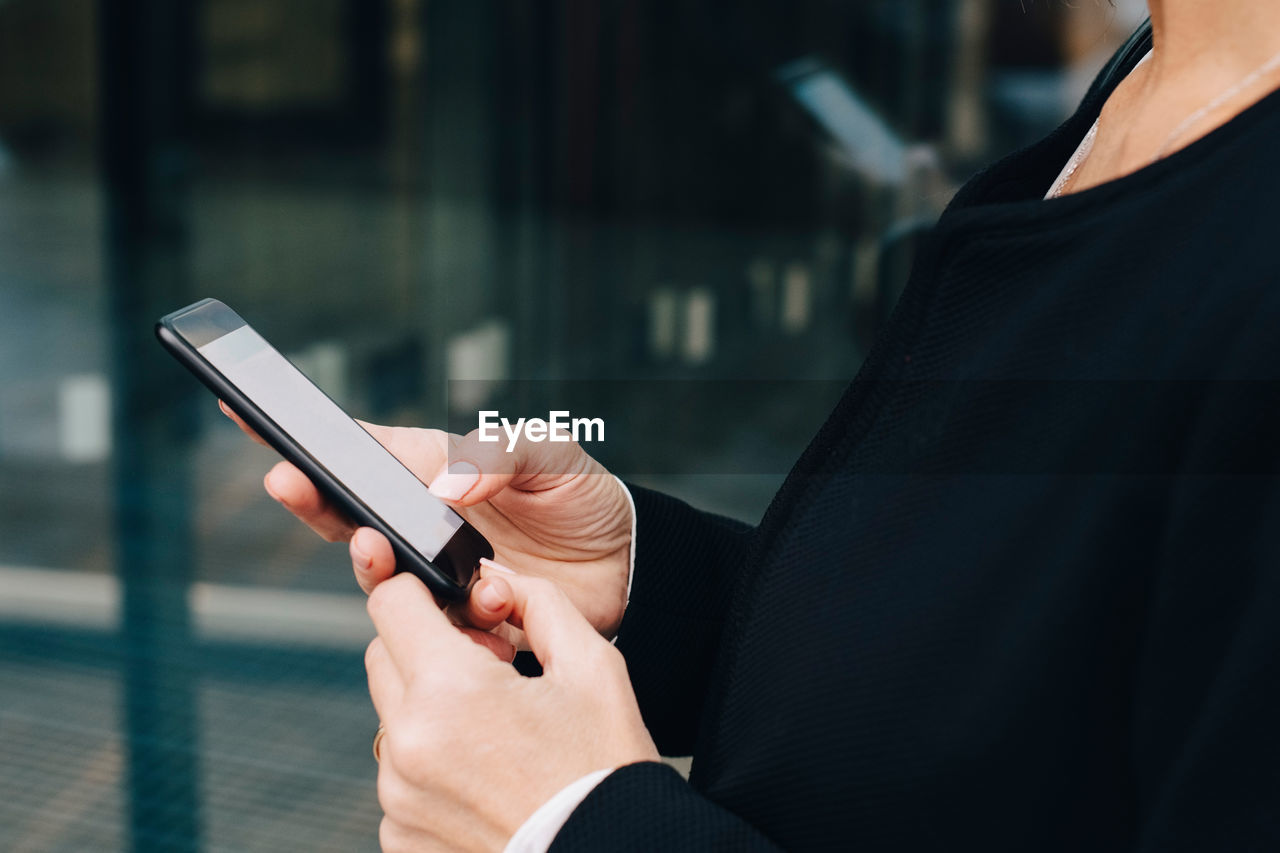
[(239, 421), (415, 631), (478, 468)]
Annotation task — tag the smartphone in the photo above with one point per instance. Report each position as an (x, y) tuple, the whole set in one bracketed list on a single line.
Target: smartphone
[(347, 464)]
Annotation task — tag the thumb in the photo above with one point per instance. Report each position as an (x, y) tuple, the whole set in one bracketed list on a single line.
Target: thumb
[(558, 635), (477, 469)]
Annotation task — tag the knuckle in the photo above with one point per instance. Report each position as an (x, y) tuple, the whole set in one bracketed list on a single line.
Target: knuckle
[(411, 754), (410, 741), (394, 795), (390, 836)]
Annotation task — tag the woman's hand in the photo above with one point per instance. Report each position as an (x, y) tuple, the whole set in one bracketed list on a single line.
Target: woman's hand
[(472, 748), (548, 507)]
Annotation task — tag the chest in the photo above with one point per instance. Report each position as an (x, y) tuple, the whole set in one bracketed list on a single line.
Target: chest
[(923, 656)]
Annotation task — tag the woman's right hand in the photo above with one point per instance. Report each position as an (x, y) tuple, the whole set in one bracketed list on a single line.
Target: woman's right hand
[(548, 508)]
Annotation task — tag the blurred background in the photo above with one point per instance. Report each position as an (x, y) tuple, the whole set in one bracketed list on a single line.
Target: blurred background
[(423, 202)]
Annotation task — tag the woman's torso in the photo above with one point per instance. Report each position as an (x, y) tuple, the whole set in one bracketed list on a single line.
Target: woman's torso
[(953, 630)]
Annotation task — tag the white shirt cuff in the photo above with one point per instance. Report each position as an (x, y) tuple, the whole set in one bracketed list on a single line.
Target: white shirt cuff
[(536, 834)]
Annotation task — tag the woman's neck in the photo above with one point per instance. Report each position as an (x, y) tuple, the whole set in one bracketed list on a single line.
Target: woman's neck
[(1212, 43), (1199, 77)]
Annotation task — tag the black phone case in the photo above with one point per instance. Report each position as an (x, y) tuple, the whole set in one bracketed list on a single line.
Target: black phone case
[(407, 558)]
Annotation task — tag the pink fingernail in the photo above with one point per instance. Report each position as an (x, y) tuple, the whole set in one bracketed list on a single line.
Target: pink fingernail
[(490, 598), (266, 484), (485, 561), (453, 484), (358, 554)]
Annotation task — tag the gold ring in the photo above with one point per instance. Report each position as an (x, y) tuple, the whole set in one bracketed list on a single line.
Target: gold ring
[(377, 743)]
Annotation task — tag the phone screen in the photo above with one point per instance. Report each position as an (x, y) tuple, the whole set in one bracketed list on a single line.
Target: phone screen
[(332, 438)]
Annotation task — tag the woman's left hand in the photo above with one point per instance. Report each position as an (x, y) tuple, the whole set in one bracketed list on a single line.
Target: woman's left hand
[(472, 748)]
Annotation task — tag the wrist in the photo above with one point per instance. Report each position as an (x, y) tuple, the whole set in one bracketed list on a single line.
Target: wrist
[(540, 829)]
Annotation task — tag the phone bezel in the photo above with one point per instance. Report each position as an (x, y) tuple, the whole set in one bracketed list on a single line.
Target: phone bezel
[(407, 557)]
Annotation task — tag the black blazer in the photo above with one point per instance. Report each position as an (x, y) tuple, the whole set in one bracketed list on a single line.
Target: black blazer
[(1022, 592)]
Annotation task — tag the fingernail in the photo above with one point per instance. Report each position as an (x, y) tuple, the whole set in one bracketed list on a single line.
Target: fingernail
[(266, 484), (454, 483), (489, 598), (485, 561), (363, 560)]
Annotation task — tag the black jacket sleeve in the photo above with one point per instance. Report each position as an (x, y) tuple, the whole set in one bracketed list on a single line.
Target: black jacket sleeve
[(685, 562), (647, 807)]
